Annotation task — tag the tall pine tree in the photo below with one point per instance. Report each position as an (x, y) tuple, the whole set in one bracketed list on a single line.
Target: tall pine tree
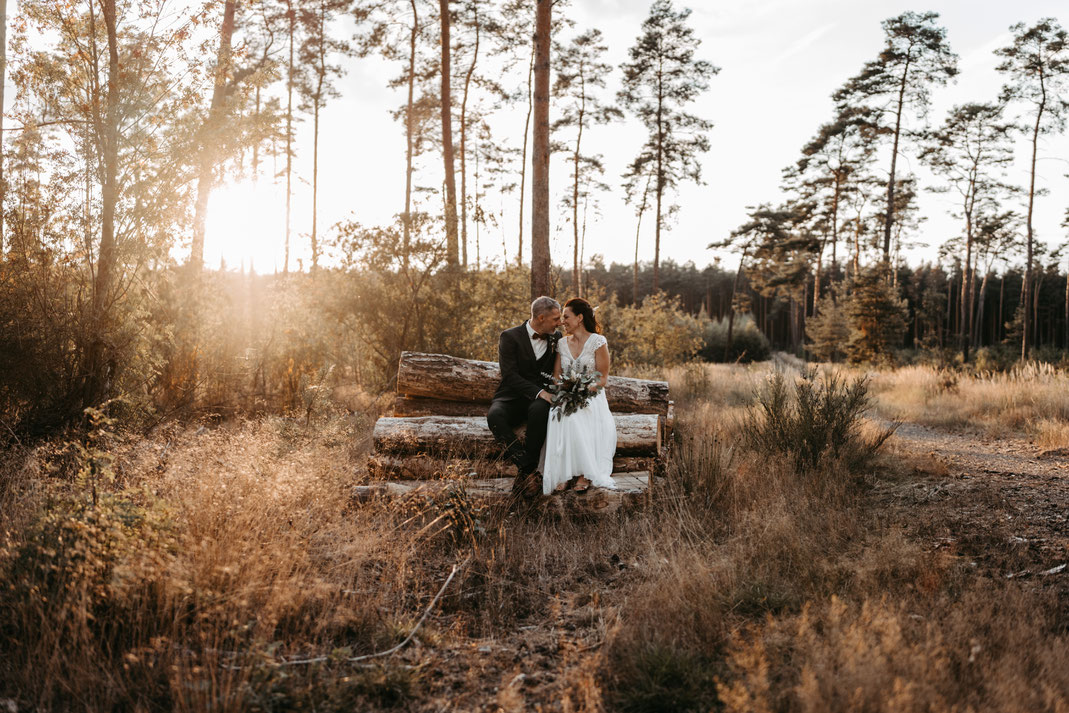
[(662, 77), (914, 58)]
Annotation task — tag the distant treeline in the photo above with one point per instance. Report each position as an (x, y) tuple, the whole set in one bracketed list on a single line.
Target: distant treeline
[(931, 296)]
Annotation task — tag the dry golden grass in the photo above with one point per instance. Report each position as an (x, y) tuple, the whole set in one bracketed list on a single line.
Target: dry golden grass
[(1026, 399), (218, 555)]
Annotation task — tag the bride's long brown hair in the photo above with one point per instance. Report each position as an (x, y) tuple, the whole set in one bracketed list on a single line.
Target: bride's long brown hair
[(582, 308)]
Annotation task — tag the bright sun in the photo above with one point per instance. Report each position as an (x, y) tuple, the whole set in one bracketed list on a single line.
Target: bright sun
[(246, 226)]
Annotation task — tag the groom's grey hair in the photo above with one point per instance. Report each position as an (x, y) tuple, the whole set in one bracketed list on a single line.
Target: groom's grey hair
[(543, 305)]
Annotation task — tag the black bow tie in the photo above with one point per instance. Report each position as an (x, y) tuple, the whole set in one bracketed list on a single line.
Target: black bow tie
[(539, 335)]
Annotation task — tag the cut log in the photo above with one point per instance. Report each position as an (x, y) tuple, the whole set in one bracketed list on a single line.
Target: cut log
[(637, 434), (448, 378), (417, 406), (632, 491), (423, 467)]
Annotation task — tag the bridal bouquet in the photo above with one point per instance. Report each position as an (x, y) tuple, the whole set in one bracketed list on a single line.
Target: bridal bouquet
[(576, 387)]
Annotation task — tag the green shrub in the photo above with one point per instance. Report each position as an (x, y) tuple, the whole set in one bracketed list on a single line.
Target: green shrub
[(657, 332), (748, 343), (814, 419)]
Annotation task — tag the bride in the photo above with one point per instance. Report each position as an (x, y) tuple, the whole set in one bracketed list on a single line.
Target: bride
[(580, 446)]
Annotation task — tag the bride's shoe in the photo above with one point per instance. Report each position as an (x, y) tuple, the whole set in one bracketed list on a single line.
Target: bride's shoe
[(582, 484)]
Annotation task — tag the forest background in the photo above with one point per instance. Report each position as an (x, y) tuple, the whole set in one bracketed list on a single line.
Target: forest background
[(142, 138)]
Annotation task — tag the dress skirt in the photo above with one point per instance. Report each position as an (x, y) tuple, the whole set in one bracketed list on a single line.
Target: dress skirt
[(582, 443)]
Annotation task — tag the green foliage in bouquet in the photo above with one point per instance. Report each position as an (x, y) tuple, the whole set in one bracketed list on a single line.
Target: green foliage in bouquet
[(577, 385)]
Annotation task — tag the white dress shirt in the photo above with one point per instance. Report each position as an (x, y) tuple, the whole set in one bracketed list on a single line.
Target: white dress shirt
[(539, 345)]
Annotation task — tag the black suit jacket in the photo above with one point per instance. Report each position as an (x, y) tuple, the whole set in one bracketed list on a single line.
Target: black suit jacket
[(522, 375)]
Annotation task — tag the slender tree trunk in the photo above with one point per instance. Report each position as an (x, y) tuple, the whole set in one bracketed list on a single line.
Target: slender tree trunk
[(731, 307), (835, 219), (406, 216), (205, 178), (97, 381), (890, 216), (638, 231), (575, 187), (291, 15), (978, 319), (464, 146), (523, 156), (1067, 307), (817, 274), (1001, 313), (967, 286), (1026, 337), (540, 261), (315, 179), (452, 252), (857, 245), (1033, 308), (321, 72), (660, 182)]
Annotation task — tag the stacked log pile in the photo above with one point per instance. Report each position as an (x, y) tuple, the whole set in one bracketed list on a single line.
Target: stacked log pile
[(438, 427)]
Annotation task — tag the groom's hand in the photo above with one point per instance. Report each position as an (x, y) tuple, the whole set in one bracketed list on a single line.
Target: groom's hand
[(544, 395)]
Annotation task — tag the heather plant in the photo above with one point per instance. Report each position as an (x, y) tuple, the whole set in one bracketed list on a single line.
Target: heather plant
[(813, 419)]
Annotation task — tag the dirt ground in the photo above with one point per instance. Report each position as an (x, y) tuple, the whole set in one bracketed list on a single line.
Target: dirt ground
[(1003, 503), (1000, 504)]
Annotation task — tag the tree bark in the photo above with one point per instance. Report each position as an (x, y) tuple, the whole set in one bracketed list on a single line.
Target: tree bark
[(291, 15), (540, 260), (424, 467), (890, 216), (1025, 337), (967, 285), (731, 307), (406, 216), (97, 384), (452, 251), (576, 276), (638, 232), (637, 434), (660, 183), (464, 146), (523, 156), (317, 99), (448, 378), (205, 178), (632, 491), (978, 319), (3, 78)]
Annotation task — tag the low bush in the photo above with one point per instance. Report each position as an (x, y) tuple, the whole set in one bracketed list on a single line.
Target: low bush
[(748, 343), (815, 418)]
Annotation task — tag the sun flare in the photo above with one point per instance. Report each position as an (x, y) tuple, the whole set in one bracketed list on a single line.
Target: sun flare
[(246, 226)]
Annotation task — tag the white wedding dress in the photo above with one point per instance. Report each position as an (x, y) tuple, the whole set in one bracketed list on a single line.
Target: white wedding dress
[(582, 443)]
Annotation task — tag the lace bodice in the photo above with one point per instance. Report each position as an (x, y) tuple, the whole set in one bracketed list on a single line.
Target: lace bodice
[(586, 356)]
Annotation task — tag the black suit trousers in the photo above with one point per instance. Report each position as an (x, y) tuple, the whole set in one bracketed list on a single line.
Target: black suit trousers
[(505, 415)]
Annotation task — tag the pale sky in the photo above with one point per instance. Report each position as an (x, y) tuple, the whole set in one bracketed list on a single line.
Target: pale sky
[(780, 60)]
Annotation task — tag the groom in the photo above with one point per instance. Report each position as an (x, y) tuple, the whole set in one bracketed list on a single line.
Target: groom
[(526, 355)]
